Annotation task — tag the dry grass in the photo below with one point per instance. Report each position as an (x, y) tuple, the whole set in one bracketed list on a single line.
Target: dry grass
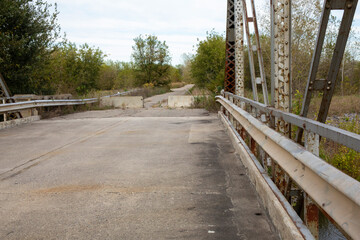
[(339, 105), (177, 84), (195, 91)]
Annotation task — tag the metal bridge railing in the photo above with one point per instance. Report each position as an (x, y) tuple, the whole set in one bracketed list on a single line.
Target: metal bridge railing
[(17, 106), (336, 194)]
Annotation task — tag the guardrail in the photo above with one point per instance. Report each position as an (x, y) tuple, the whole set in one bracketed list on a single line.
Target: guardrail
[(334, 193), (15, 107)]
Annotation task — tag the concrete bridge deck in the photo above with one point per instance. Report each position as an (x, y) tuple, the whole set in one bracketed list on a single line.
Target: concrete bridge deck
[(126, 174)]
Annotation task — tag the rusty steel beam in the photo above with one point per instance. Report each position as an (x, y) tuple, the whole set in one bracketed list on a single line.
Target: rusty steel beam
[(311, 211), (337, 194), (230, 48), (239, 50), (281, 58)]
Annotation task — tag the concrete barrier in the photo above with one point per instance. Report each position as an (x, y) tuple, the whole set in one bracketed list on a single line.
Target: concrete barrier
[(123, 102), (17, 122), (180, 101)]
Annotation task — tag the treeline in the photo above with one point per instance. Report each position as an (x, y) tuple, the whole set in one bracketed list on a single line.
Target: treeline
[(33, 60)]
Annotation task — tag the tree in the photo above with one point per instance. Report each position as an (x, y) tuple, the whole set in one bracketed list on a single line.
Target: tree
[(208, 64), (151, 60), (75, 69), (28, 30)]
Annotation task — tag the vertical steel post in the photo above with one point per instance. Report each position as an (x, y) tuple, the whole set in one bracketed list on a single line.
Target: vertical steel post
[(272, 20), (255, 48), (260, 56), (282, 60), (239, 49), (311, 211), (230, 48), (250, 52), (281, 76)]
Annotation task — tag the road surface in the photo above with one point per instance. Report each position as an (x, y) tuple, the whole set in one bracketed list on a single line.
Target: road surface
[(161, 100), (126, 174)]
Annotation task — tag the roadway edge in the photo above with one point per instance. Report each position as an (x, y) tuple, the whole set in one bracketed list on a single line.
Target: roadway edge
[(279, 216)]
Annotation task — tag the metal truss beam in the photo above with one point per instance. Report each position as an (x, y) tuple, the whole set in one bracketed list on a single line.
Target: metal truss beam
[(281, 59), (230, 48), (327, 86), (239, 50), (6, 95), (257, 48)]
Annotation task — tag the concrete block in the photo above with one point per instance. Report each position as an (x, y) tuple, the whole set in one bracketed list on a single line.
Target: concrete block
[(17, 122), (123, 102), (180, 101)]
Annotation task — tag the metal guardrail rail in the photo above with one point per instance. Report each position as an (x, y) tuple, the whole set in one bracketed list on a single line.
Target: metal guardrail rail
[(15, 107), (335, 193)]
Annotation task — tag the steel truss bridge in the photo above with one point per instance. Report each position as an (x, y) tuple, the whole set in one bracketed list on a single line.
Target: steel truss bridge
[(304, 183), (280, 165)]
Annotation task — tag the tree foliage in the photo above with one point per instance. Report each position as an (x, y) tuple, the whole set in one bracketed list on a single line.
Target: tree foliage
[(75, 69), (151, 60), (208, 63), (28, 30)]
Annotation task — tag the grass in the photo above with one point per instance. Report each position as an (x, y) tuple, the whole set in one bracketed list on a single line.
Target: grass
[(345, 159), (207, 102), (177, 84), (204, 98), (147, 92), (339, 105)]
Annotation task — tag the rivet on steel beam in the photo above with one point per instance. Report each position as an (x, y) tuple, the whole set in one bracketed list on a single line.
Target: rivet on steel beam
[(329, 82), (328, 88), (310, 88), (349, 5), (311, 82)]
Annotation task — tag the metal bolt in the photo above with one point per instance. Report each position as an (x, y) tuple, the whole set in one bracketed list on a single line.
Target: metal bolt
[(311, 82), (329, 82), (310, 88), (349, 5), (328, 88)]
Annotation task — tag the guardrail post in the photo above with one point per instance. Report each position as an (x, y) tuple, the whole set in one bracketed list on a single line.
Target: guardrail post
[(311, 211)]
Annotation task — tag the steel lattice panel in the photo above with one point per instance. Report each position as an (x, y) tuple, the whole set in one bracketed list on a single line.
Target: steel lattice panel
[(230, 49), (239, 49)]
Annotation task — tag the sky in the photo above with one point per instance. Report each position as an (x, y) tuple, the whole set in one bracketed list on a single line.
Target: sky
[(111, 25)]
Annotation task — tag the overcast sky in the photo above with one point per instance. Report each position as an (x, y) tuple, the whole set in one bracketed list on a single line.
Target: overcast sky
[(112, 25)]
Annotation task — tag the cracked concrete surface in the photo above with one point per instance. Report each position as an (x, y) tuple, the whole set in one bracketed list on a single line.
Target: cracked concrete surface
[(126, 174)]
